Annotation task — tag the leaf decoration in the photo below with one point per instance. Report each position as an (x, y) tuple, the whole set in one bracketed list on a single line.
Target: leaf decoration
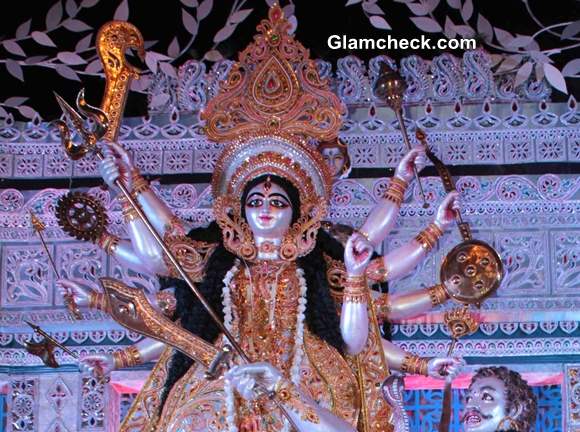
[(426, 24), (293, 24), (224, 33), (455, 4), (467, 10), (571, 30), (484, 28), (431, 5), (465, 31), (190, 3), (67, 72), (288, 10), (35, 59), (23, 29), (241, 15), (173, 49), (418, 8), (54, 16), (94, 67), (520, 42), (379, 22), (84, 43), (213, 55), (15, 101), (122, 12), (89, 3), (42, 39), (523, 73), (449, 28), (3, 112), (510, 62), (372, 8), (189, 22), (352, 2), (503, 37), (76, 25), (14, 69), (167, 69), (204, 9), (572, 68), (71, 8), (27, 111), (555, 78), (539, 70), (13, 48), (70, 58)]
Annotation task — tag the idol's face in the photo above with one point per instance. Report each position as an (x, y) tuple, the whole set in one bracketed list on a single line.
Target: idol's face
[(334, 158), (485, 405), (268, 210)]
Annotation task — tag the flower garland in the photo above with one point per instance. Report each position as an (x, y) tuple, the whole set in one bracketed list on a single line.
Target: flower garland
[(298, 342)]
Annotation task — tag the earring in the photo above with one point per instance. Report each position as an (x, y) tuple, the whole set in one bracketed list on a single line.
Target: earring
[(238, 238), (508, 424), (301, 237)]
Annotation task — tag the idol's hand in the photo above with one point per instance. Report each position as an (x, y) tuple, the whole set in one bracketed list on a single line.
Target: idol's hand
[(357, 254), (116, 164), (414, 158), (444, 367), (447, 210), (80, 294), (98, 365), (253, 379)]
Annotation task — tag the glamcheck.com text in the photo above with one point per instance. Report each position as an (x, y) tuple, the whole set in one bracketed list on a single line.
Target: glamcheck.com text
[(391, 43)]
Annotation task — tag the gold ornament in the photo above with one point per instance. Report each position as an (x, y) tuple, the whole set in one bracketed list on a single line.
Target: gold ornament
[(274, 87), (81, 216), (238, 238)]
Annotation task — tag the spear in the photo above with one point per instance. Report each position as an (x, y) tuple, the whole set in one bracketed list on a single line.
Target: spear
[(39, 227)]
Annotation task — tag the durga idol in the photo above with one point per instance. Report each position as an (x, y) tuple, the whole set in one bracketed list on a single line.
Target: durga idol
[(295, 299)]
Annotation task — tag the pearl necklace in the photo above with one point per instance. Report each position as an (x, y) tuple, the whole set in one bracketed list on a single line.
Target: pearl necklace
[(298, 341)]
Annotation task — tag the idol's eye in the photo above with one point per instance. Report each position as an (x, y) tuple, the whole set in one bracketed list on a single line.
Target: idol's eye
[(339, 157), (467, 399), (256, 202), (278, 203), (487, 397)]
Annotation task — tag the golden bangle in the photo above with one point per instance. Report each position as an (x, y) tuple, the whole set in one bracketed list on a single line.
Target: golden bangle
[(416, 365), (355, 289), (429, 236), (396, 190), (138, 183), (128, 357), (438, 294), (98, 300), (377, 271), (108, 242), (129, 213)]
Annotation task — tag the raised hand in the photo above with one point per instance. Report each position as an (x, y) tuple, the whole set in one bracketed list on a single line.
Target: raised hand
[(98, 365), (447, 210), (252, 379), (444, 367), (414, 158), (79, 293), (116, 164), (357, 254)]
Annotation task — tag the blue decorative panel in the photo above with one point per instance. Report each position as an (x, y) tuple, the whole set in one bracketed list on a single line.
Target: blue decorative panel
[(424, 409)]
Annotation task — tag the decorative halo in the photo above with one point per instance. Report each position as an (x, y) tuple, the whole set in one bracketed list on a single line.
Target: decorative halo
[(278, 155), (81, 216)]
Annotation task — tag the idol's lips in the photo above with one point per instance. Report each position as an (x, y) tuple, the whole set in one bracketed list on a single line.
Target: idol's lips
[(266, 218)]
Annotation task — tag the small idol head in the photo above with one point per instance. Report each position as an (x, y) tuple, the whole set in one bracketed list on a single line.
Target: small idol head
[(335, 154), (498, 399)]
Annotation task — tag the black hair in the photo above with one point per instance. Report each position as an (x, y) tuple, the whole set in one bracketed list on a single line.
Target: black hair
[(321, 315)]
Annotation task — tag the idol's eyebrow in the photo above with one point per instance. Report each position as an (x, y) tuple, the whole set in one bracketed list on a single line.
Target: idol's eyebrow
[(279, 195), (255, 193)]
